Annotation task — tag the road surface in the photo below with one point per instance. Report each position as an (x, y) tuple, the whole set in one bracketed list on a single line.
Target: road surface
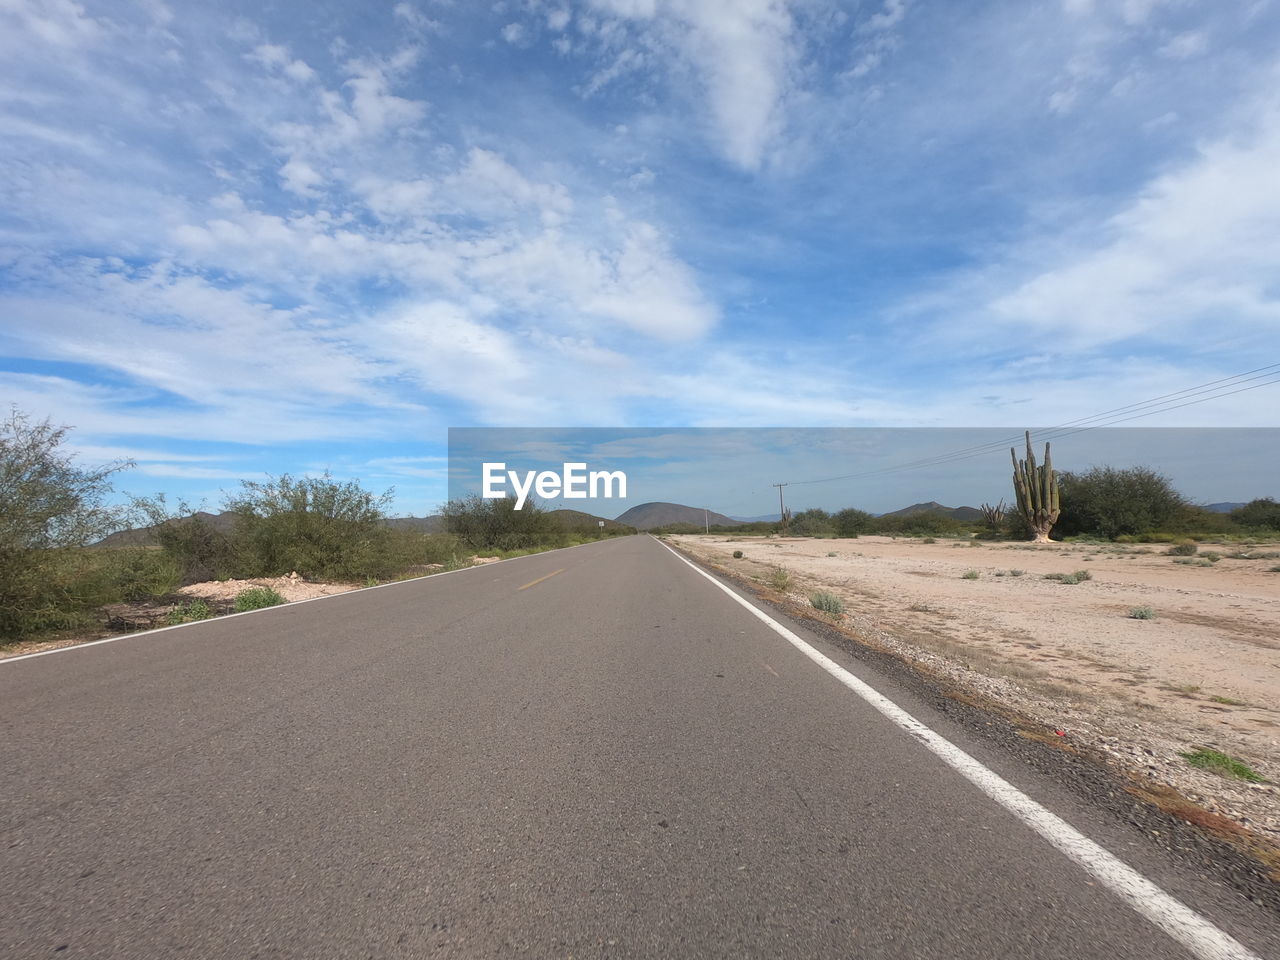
[(593, 752)]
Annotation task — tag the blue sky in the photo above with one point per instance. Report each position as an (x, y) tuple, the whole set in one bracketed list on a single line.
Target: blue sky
[(243, 239)]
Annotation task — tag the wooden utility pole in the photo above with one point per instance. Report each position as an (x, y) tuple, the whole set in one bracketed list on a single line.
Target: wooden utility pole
[(782, 511)]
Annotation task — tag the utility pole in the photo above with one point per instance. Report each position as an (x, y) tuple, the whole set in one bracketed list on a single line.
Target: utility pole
[(706, 519), (782, 511)]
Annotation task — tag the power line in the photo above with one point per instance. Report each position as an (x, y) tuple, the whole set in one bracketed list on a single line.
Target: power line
[(1269, 374)]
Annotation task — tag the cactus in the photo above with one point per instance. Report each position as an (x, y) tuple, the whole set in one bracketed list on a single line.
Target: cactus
[(1037, 491), (993, 516)]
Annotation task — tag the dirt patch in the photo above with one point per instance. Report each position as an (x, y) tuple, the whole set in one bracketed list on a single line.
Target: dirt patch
[(1203, 673), (291, 588)]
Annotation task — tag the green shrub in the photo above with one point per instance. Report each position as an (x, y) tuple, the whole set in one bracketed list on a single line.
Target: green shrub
[(50, 508), (495, 524), (828, 603), (780, 579), (1110, 502), (1258, 514), (970, 575), (256, 598), (1184, 549), (812, 523), (1141, 613), (1080, 576), (737, 554), (1223, 765), (323, 528), (851, 522), (190, 612)]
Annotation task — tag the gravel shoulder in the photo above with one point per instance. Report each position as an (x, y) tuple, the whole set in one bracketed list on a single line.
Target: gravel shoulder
[(1204, 673)]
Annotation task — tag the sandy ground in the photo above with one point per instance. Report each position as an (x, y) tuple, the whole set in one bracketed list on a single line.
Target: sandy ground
[(291, 588), (1204, 673)]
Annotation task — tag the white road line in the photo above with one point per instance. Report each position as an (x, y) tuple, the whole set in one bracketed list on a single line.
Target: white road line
[(1172, 916), (280, 606)]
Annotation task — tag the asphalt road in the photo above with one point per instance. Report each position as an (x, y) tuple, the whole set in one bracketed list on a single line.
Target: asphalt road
[(586, 753)]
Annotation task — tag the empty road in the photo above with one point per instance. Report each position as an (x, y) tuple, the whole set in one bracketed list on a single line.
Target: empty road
[(593, 752)]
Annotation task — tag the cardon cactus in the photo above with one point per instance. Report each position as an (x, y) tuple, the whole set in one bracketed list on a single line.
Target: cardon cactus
[(1037, 491)]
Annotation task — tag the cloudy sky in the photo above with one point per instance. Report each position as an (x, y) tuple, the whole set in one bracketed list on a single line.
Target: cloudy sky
[(242, 239)]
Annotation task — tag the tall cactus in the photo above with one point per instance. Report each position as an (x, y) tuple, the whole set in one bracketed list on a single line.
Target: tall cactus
[(1037, 491)]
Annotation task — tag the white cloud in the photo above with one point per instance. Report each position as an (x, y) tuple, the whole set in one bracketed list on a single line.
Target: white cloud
[(742, 55), (1185, 45), (1195, 246)]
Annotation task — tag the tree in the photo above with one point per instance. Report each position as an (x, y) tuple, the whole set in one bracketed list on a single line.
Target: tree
[(317, 526), (46, 500), (201, 551), (811, 523), (851, 522), (1258, 513), (484, 523), (1111, 502), (49, 506)]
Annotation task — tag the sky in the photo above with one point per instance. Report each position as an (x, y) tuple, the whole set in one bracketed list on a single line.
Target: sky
[(238, 240)]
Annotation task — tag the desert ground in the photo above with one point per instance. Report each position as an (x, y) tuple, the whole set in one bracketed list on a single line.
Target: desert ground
[(1204, 673)]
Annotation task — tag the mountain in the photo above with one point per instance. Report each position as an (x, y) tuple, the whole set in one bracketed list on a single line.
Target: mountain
[(146, 536), (1222, 507), (225, 522), (767, 518), (646, 516), (963, 514)]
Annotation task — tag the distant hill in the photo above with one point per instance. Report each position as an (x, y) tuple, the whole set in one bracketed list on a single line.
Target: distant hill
[(1223, 507), (767, 518), (146, 536), (225, 522), (963, 514), (646, 516)]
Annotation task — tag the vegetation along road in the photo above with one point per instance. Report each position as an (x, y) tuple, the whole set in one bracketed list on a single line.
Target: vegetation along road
[(597, 751)]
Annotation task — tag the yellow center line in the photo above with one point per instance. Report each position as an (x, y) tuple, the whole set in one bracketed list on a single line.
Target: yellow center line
[(534, 583)]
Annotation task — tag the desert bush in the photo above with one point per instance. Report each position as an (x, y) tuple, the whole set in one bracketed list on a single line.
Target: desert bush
[(1258, 514), (50, 507), (828, 603), (850, 522), (135, 573), (1184, 549), (812, 523), (1111, 502), (323, 528), (737, 554), (970, 575), (1079, 576), (780, 579), (256, 598), (925, 523), (201, 551), (489, 524), (1141, 613), (190, 612)]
